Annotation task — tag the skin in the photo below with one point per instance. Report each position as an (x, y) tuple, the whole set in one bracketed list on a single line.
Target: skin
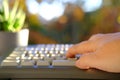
[(101, 51)]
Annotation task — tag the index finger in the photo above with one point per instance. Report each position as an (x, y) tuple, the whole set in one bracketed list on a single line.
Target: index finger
[(81, 48)]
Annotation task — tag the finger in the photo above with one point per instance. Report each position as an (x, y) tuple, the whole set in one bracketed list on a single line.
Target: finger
[(94, 61), (81, 48), (87, 61)]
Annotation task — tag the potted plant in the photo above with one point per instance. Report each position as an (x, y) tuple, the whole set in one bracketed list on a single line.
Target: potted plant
[(12, 21)]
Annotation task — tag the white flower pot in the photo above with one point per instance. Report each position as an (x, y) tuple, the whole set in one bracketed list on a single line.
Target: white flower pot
[(10, 40)]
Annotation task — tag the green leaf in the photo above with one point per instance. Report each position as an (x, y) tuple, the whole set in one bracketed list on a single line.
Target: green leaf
[(13, 11), (19, 13), (6, 9), (1, 18), (20, 19), (8, 26), (1, 14)]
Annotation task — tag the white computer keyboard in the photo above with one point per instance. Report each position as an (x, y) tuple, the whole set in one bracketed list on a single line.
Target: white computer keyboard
[(39, 55), (46, 62)]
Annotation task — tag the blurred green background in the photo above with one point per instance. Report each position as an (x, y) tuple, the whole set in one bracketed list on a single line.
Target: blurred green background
[(69, 21)]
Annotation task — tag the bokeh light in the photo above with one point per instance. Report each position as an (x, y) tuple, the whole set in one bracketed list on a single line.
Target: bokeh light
[(91, 5), (50, 10)]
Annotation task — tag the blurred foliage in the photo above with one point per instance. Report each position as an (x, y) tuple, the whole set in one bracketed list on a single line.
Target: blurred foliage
[(11, 20), (75, 25)]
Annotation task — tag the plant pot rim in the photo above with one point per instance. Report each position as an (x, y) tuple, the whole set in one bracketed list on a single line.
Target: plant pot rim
[(16, 31)]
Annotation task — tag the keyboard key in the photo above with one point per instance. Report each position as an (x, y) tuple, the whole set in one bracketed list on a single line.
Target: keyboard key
[(42, 63), (14, 54), (10, 58), (63, 63), (60, 58), (27, 63), (9, 63)]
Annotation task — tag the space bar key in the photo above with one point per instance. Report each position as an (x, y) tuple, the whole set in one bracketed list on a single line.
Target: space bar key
[(63, 63)]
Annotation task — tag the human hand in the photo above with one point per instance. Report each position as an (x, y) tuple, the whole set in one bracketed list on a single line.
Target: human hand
[(101, 51)]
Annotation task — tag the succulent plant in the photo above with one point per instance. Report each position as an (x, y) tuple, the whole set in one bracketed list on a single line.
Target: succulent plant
[(11, 20)]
